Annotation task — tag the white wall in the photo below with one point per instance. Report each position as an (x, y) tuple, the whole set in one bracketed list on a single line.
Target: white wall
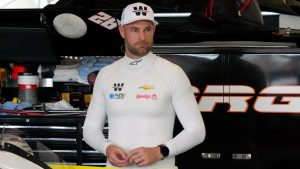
[(24, 4)]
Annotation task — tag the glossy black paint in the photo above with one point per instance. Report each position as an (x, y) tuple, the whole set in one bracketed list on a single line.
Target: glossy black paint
[(272, 139)]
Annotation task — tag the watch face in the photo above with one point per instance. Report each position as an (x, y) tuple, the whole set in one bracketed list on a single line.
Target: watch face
[(164, 150)]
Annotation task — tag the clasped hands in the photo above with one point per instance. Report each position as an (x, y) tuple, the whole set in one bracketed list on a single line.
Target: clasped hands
[(141, 156)]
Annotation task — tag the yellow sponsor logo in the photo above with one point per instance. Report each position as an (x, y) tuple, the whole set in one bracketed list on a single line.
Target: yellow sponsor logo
[(147, 87)]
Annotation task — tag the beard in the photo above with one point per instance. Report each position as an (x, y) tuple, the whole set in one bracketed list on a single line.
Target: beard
[(139, 49)]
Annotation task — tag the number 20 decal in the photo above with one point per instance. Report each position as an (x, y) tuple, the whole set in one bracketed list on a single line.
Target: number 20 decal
[(104, 20)]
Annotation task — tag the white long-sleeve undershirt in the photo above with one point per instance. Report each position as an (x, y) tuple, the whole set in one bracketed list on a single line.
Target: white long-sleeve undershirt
[(140, 98)]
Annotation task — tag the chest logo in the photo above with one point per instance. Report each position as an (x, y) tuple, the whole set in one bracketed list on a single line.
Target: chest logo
[(117, 94), (147, 96), (118, 86), (146, 87)]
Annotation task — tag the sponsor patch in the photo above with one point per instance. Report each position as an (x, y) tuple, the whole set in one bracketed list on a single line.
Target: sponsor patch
[(146, 96), (146, 87)]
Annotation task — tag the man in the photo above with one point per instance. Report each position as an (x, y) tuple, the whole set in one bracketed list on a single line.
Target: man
[(140, 95)]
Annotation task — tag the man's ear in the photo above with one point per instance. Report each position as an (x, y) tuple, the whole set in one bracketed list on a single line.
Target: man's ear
[(121, 31)]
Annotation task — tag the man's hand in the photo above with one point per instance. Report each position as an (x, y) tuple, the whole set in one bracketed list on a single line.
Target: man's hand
[(144, 156), (116, 156)]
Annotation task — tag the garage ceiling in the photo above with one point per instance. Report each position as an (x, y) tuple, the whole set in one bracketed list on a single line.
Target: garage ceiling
[(187, 26)]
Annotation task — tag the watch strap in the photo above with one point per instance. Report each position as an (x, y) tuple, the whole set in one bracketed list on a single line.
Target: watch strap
[(164, 150)]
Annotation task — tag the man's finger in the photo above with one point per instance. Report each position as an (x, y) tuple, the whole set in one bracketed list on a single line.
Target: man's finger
[(130, 154), (138, 160), (133, 158)]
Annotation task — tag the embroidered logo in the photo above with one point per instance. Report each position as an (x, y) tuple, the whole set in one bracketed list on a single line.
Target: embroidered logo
[(147, 96), (135, 62), (118, 86), (116, 95), (140, 10), (146, 87)]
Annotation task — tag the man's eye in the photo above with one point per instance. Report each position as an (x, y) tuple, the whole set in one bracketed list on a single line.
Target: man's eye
[(134, 30)]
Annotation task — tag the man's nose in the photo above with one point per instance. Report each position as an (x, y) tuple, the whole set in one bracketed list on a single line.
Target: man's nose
[(142, 35)]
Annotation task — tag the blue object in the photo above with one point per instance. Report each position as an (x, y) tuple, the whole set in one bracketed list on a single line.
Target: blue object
[(23, 105), (9, 105)]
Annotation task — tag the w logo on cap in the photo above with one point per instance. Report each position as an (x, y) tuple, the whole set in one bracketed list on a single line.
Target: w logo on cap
[(140, 10), (137, 11)]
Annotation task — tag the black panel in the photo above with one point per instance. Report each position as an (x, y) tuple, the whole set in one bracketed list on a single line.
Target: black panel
[(26, 45)]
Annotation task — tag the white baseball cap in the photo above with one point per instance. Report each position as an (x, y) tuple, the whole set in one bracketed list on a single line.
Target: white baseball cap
[(137, 11)]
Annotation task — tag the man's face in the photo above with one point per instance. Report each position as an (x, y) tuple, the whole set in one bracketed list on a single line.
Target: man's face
[(138, 37)]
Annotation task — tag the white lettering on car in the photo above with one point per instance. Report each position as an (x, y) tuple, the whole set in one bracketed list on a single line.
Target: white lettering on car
[(238, 96), (288, 104)]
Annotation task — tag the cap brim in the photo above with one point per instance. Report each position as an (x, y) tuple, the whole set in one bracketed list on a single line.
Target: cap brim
[(138, 19), (70, 25)]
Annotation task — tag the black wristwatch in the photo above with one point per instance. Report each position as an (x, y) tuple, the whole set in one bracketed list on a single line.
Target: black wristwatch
[(164, 150)]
